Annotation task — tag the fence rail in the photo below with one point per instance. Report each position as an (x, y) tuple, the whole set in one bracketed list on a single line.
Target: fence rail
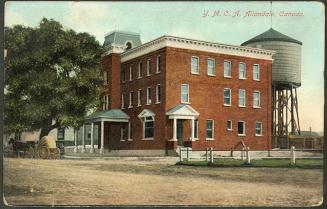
[(245, 154)]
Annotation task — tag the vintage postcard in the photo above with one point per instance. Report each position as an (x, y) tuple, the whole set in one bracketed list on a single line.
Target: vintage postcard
[(163, 103)]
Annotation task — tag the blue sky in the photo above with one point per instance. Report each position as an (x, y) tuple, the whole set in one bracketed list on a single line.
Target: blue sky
[(185, 19)]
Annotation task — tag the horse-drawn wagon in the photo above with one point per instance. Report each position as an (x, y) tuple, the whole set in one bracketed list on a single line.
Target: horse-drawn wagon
[(45, 148)]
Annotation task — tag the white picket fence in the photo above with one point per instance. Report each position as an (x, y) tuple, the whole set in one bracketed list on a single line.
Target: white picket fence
[(186, 153)]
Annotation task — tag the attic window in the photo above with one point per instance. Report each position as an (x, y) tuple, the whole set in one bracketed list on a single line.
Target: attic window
[(128, 45)]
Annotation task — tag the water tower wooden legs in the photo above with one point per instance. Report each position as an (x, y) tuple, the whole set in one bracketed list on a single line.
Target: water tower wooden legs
[(285, 114)]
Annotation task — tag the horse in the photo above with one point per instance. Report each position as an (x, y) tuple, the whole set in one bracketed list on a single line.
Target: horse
[(26, 147)]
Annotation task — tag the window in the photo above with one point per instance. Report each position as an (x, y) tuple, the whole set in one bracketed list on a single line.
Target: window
[(258, 128), (123, 133), (195, 65), (139, 74), (242, 70), (241, 98), (128, 45), (123, 76), (148, 95), (256, 99), (122, 101), (131, 73), (158, 97), (158, 64), (106, 102), (131, 98), (139, 97), (184, 93), (60, 134), (105, 77), (256, 72), (227, 69), (148, 127), (148, 67), (229, 125), (210, 129), (196, 129), (241, 128), (227, 97), (211, 67)]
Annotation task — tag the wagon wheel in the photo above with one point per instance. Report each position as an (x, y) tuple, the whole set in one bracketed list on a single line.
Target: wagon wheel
[(44, 152), (55, 153), (29, 153)]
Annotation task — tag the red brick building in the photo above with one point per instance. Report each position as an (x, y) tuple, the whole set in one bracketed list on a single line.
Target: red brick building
[(175, 91)]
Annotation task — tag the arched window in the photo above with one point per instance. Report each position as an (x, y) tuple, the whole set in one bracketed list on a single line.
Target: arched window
[(128, 45)]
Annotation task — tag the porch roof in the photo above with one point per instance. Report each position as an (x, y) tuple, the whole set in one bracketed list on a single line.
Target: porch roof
[(182, 111), (113, 115)]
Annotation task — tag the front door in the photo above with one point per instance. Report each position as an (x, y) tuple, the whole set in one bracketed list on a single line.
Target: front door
[(180, 132)]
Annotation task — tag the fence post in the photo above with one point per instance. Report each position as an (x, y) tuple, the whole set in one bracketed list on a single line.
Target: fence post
[(292, 155), (211, 155), (269, 153), (248, 158), (180, 155), (207, 154), (231, 152), (187, 154), (242, 153)]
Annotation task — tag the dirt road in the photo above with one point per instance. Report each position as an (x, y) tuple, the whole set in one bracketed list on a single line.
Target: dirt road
[(145, 182)]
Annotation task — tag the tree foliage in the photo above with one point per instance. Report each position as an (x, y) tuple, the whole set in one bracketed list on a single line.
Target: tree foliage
[(52, 77)]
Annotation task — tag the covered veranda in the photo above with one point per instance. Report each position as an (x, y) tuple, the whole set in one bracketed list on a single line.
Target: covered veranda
[(100, 118)]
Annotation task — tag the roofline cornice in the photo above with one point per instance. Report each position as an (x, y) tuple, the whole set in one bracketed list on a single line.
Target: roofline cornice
[(185, 43)]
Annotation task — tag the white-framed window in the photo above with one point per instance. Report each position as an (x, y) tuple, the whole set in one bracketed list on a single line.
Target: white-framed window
[(139, 97), (148, 96), (256, 99), (105, 77), (241, 128), (148, 127), (106, 102), (256, 72), (185, 93), (241, 98), (258, 128), (195, 65), (241, 70), (131, 99), (158, 64), (196, 128), (227, 69), (211, 67), (123, 75), (148, 67), (139, 73), (122, 101), (210, 129), (229, 125), (131, 69), (227, 97), (158, 93)]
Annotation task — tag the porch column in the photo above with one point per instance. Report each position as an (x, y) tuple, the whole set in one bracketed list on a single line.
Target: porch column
[(102, 138), (75, 140), (175, 130), (92, 143), (192, 130), (83, 139)]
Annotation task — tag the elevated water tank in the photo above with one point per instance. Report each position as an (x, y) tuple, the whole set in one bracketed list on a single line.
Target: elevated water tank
[(287, 60)]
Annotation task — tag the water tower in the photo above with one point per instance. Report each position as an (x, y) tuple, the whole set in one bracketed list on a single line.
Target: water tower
[(286, 78)]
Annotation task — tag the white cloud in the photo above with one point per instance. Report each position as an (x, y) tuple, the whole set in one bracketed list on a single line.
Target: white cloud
[(13, 18)]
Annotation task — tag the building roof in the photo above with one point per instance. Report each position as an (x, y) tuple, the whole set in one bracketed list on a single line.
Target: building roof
[(114, 115), (271, 35), (121, 37)]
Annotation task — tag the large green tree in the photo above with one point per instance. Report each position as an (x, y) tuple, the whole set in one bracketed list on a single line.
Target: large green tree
[(52, 77)]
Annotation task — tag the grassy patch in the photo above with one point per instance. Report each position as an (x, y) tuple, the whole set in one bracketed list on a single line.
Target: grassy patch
[(278, 163)]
